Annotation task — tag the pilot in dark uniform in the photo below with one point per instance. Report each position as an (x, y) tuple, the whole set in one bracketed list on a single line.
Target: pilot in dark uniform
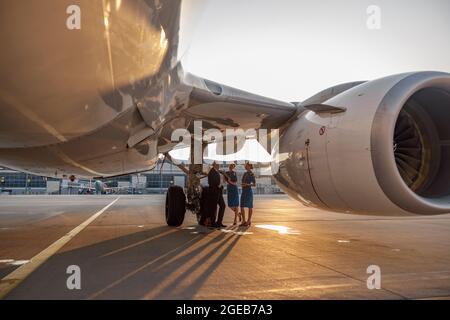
[(215, 197)]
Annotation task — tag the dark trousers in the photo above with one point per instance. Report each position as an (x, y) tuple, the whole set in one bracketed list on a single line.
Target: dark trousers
[(221, 204), (215, 197), (204, 206)]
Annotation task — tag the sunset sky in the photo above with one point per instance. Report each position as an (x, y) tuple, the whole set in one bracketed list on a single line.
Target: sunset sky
[(291, 49)]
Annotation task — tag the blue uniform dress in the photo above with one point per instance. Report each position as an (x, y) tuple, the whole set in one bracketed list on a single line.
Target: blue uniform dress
[(247, 192), (232, 191)]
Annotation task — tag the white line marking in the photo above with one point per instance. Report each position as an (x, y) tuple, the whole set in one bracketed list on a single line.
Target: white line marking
[(6, 260), (17, 276), (18, 262), (305, 288)]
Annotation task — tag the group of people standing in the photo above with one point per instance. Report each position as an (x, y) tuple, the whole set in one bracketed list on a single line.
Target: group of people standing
[(214, 196)]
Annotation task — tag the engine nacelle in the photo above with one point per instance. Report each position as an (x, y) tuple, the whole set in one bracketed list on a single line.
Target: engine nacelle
[(382, 147)]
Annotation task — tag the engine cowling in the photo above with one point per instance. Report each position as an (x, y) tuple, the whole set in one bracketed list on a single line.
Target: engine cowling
[(383, 147)]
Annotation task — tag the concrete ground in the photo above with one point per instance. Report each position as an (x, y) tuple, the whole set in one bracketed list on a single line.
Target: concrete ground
[(290, 252)]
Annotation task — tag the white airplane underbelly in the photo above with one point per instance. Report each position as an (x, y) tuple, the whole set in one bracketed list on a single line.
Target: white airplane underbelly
[(57, 84), (103, 153), (71, 99)]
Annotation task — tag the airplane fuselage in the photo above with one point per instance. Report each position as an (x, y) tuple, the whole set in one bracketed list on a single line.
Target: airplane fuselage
[(90, 101)]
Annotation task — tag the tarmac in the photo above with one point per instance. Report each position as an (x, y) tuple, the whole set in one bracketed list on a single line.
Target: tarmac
[(124, 250)]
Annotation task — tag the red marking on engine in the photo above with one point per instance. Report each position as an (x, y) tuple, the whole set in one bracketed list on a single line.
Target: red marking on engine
[(322, 131)]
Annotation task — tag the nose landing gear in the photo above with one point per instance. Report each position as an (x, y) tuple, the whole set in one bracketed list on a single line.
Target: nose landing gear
[(175, 206), (177, 202)]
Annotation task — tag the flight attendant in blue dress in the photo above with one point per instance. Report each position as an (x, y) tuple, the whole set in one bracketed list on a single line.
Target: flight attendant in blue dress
[(232, 192), (248, 181)]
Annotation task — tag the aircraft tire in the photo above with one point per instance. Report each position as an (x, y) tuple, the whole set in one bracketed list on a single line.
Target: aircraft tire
[(175, 206)]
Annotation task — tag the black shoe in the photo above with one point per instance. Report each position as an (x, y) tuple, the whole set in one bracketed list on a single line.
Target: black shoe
[(220, 225), (214, 225)]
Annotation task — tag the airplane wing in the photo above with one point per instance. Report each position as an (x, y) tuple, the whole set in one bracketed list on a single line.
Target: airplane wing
[(226, 107), (222, 107)]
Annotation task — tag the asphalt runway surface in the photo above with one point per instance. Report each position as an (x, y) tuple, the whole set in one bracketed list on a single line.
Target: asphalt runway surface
[(124, 250)]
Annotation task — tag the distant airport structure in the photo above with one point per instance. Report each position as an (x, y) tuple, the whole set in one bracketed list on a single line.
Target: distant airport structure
[(156, 181)]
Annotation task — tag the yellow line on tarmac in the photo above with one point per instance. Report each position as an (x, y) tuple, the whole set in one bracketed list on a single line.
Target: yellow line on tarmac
[(17, 276)]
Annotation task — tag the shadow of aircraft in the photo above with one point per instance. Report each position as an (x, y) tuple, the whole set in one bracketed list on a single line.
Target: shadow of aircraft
[(158, 263)]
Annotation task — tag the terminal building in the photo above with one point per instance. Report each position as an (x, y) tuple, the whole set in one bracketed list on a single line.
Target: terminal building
[(155, 181)]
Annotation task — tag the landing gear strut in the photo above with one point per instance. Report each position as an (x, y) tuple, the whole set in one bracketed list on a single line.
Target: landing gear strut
[(195, 190), (176, 200)]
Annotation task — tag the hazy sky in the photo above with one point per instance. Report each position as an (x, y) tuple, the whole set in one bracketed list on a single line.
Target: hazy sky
[(291, 49)]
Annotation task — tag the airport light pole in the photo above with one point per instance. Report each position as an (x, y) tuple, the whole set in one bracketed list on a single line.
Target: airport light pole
[(26, 183), (137, 183), (160, 181)]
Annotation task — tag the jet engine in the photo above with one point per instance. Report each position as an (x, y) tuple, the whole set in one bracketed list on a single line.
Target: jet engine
[(377, 147)]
